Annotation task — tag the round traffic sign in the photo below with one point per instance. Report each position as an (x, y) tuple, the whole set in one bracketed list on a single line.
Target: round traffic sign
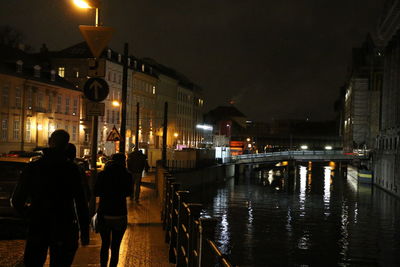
[(96, 89)]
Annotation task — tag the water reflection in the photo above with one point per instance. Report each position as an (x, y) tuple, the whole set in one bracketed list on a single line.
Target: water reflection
[(322, 221)]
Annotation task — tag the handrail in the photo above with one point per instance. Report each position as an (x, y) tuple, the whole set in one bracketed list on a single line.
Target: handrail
[(189, 236)]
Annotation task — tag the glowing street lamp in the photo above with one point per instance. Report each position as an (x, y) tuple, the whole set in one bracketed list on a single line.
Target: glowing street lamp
[(115, 103), (87, 4)]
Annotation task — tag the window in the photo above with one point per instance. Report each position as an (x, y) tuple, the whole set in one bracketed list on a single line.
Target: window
[(73, 133), (39, 100), (154, 90), (77, 74), (29, 98), (75, 107), (66, 105), (28, 130), (50, 102), (61, 71), (66, 128), (59, 100), (16, 129), (4, 129), (112, 116), (5, 95), (17, 97)]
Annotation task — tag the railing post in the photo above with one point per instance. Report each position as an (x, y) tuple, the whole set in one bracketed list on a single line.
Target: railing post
[(182, 220), (168, 180), (168, 230), (192, 242), (207, 230)]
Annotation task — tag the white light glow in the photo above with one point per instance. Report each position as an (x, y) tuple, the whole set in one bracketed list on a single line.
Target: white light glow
[(205, 127), (81, 4), (40, 127), (304, 147), (328, 147)]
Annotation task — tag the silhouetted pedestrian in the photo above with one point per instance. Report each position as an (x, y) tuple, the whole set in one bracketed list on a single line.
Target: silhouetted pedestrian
[(113, 186), (137, 162), (82, 165), (50, 195)]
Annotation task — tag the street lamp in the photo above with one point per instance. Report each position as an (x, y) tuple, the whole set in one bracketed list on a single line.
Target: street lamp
[(87, 4)]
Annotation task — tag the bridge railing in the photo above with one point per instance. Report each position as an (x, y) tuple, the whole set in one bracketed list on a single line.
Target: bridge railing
[(288, 154)]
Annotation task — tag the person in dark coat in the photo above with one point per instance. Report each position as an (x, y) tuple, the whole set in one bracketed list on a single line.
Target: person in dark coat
[(137, 162), (113, 185), (50, 196)]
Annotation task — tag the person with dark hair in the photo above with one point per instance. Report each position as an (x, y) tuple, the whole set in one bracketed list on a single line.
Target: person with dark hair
[(137, 162), (112, 187), (51, 197), (71, 155)]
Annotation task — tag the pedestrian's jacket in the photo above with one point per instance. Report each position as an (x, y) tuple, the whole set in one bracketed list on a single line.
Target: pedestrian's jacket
[(113, 185), (51, 197), (137, 162)]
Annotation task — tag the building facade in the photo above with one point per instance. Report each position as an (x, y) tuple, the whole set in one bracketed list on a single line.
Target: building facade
[(387, 155)]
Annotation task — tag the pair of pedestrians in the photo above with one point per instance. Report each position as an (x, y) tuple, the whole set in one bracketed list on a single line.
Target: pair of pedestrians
[(51, 195)]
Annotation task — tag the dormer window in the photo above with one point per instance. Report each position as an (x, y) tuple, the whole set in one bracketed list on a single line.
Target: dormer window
[(109, 53), (143, 67), (61, 71), (19, 66), (36, 71)]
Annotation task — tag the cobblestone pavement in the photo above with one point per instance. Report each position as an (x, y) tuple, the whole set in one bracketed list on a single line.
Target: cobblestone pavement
[(143, 243)]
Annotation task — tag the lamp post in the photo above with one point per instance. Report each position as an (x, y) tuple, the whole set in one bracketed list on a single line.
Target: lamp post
[(95, 122)]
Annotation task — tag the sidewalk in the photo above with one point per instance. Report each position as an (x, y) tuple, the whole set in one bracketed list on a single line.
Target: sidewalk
[(143, 243)]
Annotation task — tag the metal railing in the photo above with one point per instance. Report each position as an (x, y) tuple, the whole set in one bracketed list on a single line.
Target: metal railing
[(189, 236)]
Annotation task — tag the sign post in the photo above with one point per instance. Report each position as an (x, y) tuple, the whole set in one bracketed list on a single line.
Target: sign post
[(95, 89)]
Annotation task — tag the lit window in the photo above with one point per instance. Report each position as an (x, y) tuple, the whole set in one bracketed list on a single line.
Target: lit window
[(18, 97), (16, 129), (4, 129), (154, 90), (28, 130), (77, 74), (61, 71), (73, 133)]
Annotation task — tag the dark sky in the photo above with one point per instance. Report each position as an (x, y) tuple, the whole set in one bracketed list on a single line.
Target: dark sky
[(275, 59)]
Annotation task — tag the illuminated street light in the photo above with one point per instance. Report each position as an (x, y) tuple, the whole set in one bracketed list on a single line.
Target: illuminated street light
[(87, 4), (115, 103), (304, 147), (176, 135), (248, 139), (328, 147), (81, 4)]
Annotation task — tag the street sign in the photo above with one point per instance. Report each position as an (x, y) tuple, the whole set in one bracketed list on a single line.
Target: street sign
[(97, 38), (114, 135), (96, 89), (96, 67), (95, 109)]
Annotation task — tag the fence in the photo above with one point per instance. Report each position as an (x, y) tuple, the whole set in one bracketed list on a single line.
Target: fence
[(189, 236)]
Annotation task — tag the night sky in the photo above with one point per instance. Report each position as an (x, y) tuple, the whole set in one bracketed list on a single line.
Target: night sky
[(275, 59)]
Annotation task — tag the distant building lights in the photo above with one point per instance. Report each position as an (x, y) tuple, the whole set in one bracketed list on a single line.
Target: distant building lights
[(304, 147), (204, 127), (40, 127)]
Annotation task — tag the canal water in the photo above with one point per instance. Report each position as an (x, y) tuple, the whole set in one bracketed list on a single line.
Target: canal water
[(315, 216)]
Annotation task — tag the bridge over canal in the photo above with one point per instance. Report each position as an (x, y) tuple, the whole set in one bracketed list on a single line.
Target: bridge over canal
[(304, 155)]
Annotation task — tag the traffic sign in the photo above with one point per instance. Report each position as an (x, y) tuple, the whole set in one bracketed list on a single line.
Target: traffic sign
[(96, 89), (95, 108), (114, 135), (97, 67), (97, 37)]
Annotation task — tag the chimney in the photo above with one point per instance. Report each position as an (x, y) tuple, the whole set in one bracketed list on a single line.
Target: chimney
[(44, 49), (19, 66), (36, 71), (52, 75)]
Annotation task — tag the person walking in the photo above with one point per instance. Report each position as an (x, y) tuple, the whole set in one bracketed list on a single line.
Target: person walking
[(112, 187), (50, 195), (137, 162)]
